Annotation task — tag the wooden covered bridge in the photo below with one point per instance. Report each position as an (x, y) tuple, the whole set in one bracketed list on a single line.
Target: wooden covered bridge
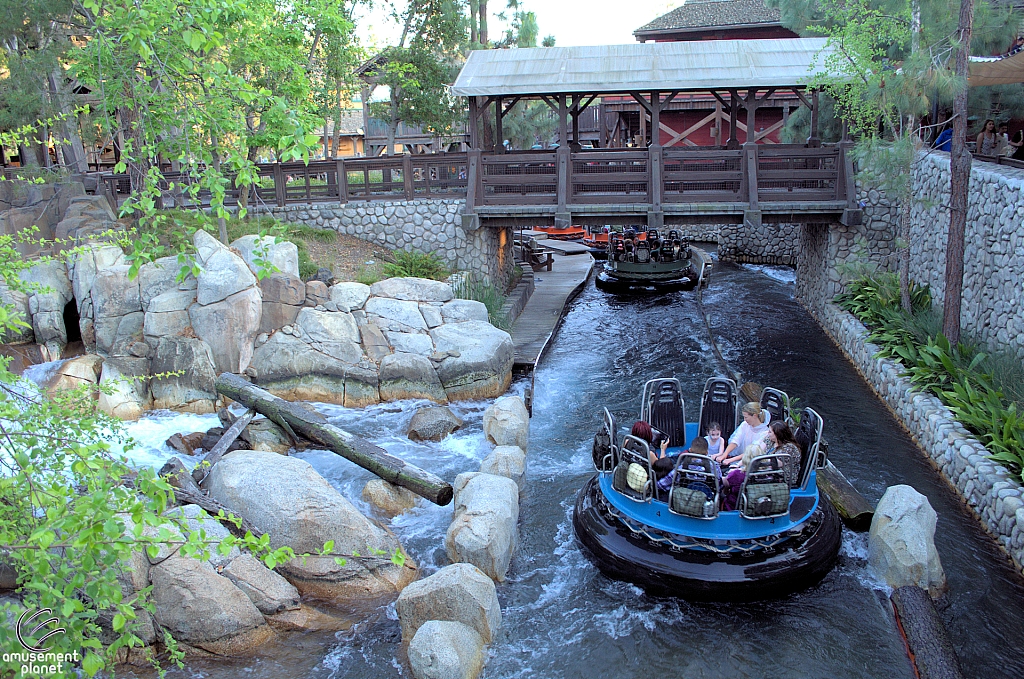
[(738, 181)]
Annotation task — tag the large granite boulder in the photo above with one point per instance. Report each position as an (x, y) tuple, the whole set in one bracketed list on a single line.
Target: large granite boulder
[(18, 301), (229, 327), (901, 544), (414, 289), (460, 592), (460, 310), (268, 591), (286, 498), (411, 343), (223, 272), (389, 499), (275, 252), (167, 314), (204, 609), (404, 376), (433, 424), (507, 422), (283, 296), (75, 373), (446, 650), (192, 390), (126, 381), (157, 277), (295, 370), (395, 315), (349, 296), (483, 531), (479, 362), (507, 461), (117, 310), (50, 290), (82, 270)]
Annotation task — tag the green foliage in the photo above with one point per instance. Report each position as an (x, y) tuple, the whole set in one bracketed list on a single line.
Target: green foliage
[(983, 390), (466, 286), (416, 264)]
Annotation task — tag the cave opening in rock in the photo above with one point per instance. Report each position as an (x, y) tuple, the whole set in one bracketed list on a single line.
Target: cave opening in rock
[(71, 322)]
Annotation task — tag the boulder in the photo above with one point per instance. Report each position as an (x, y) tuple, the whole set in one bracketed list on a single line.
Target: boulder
[(295, 370), (316, 293), (127, 379), (901, 544), (50, 291), (191, 391), (194, 519), (276, 315), (223, 272), (286, 498), (308, 619), (284, 288), (156, 278), (328, 326), (395, 314), (446, 650), (459, 310), (431, 315), (116, 334), (170, 301), (74, 373), (374, 343), (404, 376), (83, 267), (390, 499), (275, 252), (433, 424), (263, 434), (410, 342), (349, 296), (507, 461), (483, 366), (483, 529), (414, 289), (270, 592), (507, 422), (230, 327), (117, 310), (204, 609), (18, 301), (460, 592)]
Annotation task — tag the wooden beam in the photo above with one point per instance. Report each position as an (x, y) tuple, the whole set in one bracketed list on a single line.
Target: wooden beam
[(764, 133), (802, 97), (474, 129), (508, 107), (656, 119), (679, 136), (640, 100), (553, 105), (734, 97), (499, 136)]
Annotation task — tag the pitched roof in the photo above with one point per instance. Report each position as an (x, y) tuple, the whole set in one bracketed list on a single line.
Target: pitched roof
[(662, 66), (697, 14)]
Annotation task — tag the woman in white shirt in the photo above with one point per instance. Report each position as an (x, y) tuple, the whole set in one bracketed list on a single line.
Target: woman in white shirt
[(753, 430)]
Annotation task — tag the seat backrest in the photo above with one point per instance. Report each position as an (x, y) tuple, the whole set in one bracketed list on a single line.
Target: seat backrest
[(765, 493), (662, 406), (776, 402), (718, 404), (695, 490), (605, 449), (633, 475), (643, 252), (808, 438)]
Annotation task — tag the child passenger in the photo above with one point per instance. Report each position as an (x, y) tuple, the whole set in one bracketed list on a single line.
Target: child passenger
[(734, 479), (714, 439), (664, 467)]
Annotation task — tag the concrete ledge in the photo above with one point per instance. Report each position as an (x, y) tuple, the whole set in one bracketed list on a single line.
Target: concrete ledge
[(985, 486), (520, 295)]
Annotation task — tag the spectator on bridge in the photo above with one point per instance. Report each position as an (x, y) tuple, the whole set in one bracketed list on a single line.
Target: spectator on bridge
[(988, 140), (1002, 140), (945, 140), (1017, 145)]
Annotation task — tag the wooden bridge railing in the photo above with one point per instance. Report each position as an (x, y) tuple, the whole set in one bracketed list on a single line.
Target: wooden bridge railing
[(652, 177)]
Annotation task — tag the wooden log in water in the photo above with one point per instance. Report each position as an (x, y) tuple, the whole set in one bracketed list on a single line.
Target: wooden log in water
[(187, 492), (853, 507), (928, 645), (202, 470), (314, 426)]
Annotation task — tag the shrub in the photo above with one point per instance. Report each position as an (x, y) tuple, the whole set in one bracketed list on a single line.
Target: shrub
[(466, 286), (416, 265)]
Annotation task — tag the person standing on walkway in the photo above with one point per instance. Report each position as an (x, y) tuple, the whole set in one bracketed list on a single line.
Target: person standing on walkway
[(988, 140)]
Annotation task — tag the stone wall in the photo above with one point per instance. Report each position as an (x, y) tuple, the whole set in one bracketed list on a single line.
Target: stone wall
[(993, 246), (764, 244), (985, 486), (414, 225)]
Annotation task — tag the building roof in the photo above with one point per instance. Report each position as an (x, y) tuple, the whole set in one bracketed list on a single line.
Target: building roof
[(661, 66), (703, 14)]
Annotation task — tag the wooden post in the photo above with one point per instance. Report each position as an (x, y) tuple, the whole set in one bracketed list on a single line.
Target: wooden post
[(315, 427), (643, 127), (602, 126), (279, 185), (734, 104), (750, 151), (499, 134), (655, 217), (562, 113), (474, 132), (813, 141), (407, 175), (342, 182), (751, 106), (656, 119), (718, 123)]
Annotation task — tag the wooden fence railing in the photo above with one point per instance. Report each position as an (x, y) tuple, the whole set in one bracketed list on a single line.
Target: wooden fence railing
[(765, 173)]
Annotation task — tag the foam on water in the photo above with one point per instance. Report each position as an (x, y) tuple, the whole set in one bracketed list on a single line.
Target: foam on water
[(782, 274), (40, 373), (150, 432)]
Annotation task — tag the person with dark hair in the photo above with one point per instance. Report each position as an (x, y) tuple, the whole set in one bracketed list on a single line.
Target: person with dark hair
[(716, 444), (664, 467), (988, 140), (753, 429), (654, 438), (780, 440), (945, 140)]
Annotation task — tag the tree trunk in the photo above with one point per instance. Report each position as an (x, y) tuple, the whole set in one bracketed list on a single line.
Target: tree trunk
[(392, 127), (474, 34), (928, 644), (337, 119), (222, 225), (959, 183), (853, 508), (483, 23), (292, 417), (903, 249), (71, 142)]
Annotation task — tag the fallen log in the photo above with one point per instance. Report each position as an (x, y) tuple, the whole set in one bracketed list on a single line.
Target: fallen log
[(314, 426), (202, 469), (186, 491), (854, 509), (928, 646)]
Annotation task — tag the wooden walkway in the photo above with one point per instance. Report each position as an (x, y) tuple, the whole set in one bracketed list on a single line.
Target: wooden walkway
[(553, 290)]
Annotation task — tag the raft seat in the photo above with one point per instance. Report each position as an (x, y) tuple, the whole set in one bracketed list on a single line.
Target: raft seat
[(695, 488), (662, 406), (633, 475), (765, 493), (775, 402), (808, 438), (718, 405)]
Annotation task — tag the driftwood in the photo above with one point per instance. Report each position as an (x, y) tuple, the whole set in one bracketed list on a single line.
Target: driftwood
[(292, 417), (186, 491), (203, 470), (854, 509), (927, 644)]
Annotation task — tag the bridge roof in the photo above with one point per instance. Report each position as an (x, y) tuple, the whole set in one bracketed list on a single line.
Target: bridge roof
[(662, 66)]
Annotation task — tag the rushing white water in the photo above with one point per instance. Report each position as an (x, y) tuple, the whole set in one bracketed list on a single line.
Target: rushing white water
[(782, 274)]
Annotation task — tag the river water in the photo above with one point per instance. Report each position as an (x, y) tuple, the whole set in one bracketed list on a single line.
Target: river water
[(562, 618)]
